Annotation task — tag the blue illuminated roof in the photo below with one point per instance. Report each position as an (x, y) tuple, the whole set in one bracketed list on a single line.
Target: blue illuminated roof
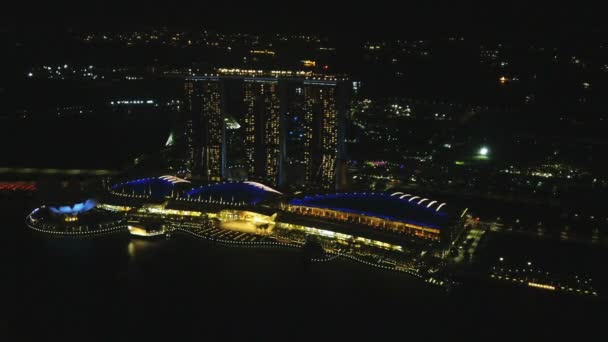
[(74, 209), (233, 192), (155, 187), (381, 205)]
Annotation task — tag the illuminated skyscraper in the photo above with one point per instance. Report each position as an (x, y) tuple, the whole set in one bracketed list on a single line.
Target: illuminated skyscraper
[(321, 131), (262, 129), (205, 127), (314, 112)]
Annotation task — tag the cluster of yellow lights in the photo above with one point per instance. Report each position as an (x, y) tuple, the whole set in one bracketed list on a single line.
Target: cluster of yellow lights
[(143, 232), (212, 114), (329, 136), (263, 72), (379, 244), (342, 216), (111, 207), (265, 95), (542, 174), (250, 136), (541, 286), (309, 63), (262, 52), (287, 72), (70, 218), (169, 212), (342, 236), (309, 75), (425, 229), (308, 105), (231, 215), (545, 286)]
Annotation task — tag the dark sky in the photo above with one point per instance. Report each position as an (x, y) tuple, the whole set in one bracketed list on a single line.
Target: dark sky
[(344, 18)]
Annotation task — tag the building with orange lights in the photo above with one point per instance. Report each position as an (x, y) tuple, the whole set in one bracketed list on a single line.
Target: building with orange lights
[(398, 214)]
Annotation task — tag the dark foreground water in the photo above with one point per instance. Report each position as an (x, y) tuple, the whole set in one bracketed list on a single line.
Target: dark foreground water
[(116, 288)]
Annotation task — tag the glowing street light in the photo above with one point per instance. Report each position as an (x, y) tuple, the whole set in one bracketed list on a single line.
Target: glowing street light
[(483, 151)]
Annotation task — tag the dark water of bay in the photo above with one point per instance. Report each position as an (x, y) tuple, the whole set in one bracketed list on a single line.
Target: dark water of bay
[(120, 288)]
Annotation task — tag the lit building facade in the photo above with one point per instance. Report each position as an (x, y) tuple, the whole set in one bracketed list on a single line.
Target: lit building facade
[(262, 129), (205, 129), (397, 213), (314, 114), (418, 230), (321, 133)]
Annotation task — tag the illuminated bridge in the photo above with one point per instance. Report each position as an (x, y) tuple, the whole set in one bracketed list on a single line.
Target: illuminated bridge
[(63, 172), (397, 213), (17, 186)]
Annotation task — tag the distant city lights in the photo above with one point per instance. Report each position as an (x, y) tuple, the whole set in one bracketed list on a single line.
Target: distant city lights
[(122, 102)]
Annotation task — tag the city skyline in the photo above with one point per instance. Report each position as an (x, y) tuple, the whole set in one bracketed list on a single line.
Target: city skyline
[(307, 170)]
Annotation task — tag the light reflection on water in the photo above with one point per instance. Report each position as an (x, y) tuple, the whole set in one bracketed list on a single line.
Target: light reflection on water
[(131, 249), (137, 247)]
